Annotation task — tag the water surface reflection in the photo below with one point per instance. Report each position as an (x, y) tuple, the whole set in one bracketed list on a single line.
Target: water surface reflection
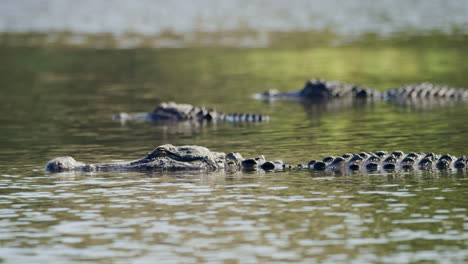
[(244, 218)]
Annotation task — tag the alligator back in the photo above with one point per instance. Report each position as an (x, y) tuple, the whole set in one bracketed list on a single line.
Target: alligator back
[(173, 112), (321, 90)]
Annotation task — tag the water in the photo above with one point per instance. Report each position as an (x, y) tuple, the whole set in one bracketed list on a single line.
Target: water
[(244, 218), (59, 100)]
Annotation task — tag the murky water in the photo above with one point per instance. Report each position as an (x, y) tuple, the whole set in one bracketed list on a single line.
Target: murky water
[(233, 218), (60, 101)]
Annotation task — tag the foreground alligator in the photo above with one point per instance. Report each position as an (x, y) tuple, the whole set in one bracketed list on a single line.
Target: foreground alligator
[(423, 95), (166, 158), (173, 158), (167, 112)]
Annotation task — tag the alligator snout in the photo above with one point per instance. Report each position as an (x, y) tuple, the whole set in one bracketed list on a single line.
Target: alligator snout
[(63, 164)]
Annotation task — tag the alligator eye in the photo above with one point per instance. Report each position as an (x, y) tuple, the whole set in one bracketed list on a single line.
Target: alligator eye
[(158, 152)]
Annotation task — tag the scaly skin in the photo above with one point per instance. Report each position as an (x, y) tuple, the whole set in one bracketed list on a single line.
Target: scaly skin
[(383, 161), (173, 158), (170, 112), (322, 90), (165, 158)]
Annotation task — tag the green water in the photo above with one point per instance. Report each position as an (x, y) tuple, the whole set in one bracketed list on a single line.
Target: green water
[(60, 101)]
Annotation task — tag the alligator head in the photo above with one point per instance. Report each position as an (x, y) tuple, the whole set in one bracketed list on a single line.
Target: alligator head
[(165, 157), (64, 164)]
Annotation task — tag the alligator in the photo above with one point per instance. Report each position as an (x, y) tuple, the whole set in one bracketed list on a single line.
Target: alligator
[(423, 94), (167, 158), (173, 112), (175, 158)]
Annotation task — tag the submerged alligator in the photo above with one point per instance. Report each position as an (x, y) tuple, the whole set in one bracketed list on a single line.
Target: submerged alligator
[(175, 158), (169, 112), (166, 158), (424, 94)]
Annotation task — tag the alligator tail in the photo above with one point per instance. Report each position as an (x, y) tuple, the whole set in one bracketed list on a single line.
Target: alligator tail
[(244, 117), (427, 90)]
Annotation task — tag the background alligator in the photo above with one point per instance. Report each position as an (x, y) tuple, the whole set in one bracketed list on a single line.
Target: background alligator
[(424, 95), (173, 158), (184, 112)]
